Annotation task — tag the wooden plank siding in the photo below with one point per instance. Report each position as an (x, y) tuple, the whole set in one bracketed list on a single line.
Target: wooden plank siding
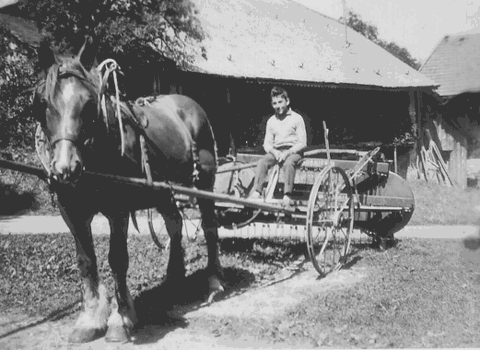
[(447, 129)]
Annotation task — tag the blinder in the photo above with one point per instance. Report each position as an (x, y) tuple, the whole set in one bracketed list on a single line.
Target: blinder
[(41, 105)]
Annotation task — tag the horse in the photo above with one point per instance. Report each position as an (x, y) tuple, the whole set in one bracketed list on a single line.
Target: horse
[(87, 127)]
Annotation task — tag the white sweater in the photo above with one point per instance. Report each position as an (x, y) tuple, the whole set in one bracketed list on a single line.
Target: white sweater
[(289, 132)]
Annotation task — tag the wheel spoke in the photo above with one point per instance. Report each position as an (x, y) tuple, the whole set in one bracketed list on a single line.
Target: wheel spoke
[(328, 231)]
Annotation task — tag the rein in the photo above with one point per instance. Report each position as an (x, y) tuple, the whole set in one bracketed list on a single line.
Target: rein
[(111, 68)]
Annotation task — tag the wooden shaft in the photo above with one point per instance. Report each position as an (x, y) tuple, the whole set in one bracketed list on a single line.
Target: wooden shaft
[(28, 169), (237, 167), (327, 146), (395, 158), (334, 151), (156, 185)]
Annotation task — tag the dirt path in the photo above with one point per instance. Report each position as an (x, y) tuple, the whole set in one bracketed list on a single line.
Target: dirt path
[(54, 224)]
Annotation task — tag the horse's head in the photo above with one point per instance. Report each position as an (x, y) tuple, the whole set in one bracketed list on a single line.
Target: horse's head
[(68, 96)]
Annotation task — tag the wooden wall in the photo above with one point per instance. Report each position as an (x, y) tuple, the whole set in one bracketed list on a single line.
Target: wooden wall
[(448, 128)]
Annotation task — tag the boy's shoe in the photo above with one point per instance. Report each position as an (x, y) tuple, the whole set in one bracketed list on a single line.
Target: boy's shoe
[(288, 202), (255, 195)]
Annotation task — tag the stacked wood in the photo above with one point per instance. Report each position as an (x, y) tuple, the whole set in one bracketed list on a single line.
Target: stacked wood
[(432, 164)]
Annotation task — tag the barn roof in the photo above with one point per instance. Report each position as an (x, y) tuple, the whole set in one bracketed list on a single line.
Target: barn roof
[(26, 31), (283, 40), (454, 64)]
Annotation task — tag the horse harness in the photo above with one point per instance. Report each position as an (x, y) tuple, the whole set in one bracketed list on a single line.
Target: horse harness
[(136, 116)]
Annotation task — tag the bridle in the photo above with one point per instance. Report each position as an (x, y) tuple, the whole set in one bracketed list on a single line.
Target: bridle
[(110, 68)]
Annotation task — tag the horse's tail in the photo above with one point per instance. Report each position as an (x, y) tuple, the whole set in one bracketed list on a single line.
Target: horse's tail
[(206, 147), (207, 135), (207, 152)]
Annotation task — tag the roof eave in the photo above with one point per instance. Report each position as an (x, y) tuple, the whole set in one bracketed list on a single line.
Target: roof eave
[(316, 84)]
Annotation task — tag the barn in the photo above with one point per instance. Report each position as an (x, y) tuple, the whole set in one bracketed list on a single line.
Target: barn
[(455, 119), (366, 96)]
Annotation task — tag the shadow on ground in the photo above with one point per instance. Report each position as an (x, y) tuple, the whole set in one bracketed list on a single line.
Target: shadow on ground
[(161, 309), (279, 250)]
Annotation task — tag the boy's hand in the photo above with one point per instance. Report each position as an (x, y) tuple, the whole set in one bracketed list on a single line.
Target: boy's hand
[(276, 153), (283, 155)]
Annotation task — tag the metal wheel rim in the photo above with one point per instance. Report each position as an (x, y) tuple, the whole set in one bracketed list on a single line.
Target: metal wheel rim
[(331, 231)]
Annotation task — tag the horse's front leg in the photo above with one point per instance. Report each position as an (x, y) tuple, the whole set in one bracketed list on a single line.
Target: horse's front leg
[(92, 321), (123, 316)]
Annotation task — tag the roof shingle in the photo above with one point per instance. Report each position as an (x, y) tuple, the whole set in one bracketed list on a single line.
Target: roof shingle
[(454, 64), (281, 39)]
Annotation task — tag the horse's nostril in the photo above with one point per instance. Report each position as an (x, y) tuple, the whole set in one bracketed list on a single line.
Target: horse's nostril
[(77, 169)]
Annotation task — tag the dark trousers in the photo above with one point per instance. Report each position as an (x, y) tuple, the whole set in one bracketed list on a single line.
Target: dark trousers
[(267, 161)]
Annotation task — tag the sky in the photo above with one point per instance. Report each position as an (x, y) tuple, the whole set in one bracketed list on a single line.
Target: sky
[(417, 25)]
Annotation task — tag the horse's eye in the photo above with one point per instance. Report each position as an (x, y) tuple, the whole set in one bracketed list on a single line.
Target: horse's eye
[(90, 110), (40, 109)]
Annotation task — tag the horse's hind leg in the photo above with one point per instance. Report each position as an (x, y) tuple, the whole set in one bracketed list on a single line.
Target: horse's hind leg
[(92, 321), (123, 317), (206, 179), (174, 224)]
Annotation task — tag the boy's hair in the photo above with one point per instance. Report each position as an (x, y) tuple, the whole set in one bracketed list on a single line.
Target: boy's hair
[(278, 91)]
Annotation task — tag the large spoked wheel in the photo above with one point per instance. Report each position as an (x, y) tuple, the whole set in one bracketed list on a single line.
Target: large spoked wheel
[(330, 215)]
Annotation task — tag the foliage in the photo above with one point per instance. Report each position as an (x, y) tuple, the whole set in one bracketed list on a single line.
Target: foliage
[(370, 31), (16, 80), (137, 31)]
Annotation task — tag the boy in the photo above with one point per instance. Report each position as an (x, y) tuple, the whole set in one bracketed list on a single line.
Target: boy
[(285, 139)]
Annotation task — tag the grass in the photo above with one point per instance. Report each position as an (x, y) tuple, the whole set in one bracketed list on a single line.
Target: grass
[(441, 205), (39, 275), (421, 293)]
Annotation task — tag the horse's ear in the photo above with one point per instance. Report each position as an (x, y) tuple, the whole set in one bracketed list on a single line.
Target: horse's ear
[(87, 53), (46, 56)]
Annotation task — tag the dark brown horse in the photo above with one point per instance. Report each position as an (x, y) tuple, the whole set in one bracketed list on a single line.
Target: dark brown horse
[(79, 123)]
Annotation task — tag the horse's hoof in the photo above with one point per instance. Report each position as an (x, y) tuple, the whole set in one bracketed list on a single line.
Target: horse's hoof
[(85, 335), (118, 334), (214, 287)]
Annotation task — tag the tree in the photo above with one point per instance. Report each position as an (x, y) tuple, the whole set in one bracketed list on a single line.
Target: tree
[(136, 31), (370, 31), (16, 79)]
